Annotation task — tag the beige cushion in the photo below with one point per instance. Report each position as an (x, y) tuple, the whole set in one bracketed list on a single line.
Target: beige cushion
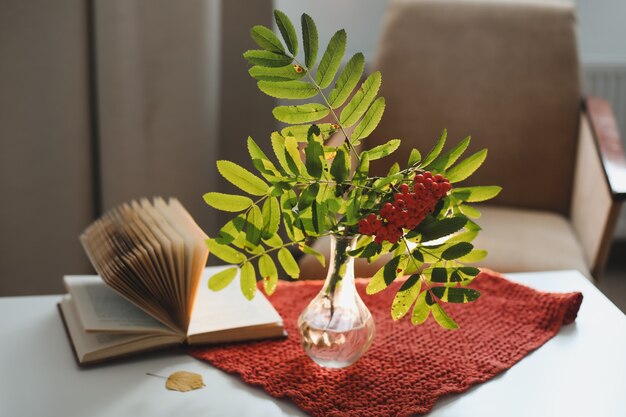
[(505, 73), (517, 240)]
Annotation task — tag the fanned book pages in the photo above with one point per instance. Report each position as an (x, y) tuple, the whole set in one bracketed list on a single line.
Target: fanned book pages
[(151, 291)]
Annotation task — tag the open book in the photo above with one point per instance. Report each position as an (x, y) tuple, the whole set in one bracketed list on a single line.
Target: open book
[(152, 288)]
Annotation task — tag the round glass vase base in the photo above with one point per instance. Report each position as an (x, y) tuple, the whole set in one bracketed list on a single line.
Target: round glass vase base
[(336, 349)]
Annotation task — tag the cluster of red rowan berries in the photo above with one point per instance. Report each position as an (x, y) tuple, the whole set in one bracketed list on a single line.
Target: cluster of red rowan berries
[(407, 210)]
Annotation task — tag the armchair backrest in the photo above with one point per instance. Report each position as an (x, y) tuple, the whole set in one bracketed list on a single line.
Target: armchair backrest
[(504, 72)]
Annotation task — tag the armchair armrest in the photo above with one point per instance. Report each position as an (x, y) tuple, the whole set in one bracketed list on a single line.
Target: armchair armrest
[(609, 145), (599, 183)]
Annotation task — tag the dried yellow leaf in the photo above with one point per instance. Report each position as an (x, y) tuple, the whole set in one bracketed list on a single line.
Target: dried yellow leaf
[(184, 381)]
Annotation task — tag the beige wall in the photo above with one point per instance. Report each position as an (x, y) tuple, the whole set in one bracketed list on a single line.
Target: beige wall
[(45, 156), (164, 117)]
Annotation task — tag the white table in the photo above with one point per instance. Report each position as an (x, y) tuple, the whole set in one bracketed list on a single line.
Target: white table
[(580, 372)]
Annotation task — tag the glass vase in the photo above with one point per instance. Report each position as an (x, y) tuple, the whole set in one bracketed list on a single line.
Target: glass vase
[(336, 328)]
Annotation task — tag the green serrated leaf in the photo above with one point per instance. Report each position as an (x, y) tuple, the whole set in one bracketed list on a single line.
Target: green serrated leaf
[(307, 197), (340, 168), (286, 73), (278, 146), (225, 252), (383, 150), (314, 154), (247, 280), (287, 31), (300, 132), (271, 217), (370, 120), (310, 251), (470, 211), (266, 58), (221, 280), (414, 157), (361, 101), (242, 178), (331, 59), (457, 250), (421, 311), (455, 294), (231, 231), (289, 264), (254, 226), (347, 81), (441, 228), (406, 296), (293, 156), (475, 255), (269, 274), (266, 39), (442, 317), (466, 167), (309, 40), (434, 153), (287, 89), (477, 193), (227, 202), (273, 241), (444, 161), (303, 113), (387, 274)]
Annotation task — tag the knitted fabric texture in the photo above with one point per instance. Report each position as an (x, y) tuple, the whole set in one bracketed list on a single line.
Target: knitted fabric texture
[(407, 368)]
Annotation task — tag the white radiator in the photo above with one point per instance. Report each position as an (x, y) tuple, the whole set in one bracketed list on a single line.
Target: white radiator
[(609, 81)]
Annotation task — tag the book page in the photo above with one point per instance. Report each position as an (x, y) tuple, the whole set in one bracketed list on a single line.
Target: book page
[(92, 347), (100, 309), (229, 309)]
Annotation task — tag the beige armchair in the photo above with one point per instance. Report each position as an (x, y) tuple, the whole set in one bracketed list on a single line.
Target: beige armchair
[(506, 73)]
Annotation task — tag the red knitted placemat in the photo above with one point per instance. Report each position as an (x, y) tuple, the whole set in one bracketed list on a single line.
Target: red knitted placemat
[(407, 368)]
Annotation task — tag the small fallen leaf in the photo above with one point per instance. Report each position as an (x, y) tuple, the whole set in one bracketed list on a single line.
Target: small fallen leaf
[(184, 381)]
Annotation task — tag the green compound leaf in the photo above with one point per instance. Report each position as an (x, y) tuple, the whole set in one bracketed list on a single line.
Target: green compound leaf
[(476, 194), (266, 39), (457, 250), (445, 161), (465, 168), (434, 153), (308, 196), (288, 263), (267, 58), (303, 113), (271, 217), (361, 101), (370, 120), (278, 146), (383, 150), (470, 211), (242, 178), (247, 280), (406, 296), (269, 274), (442, 317), (225, 253), (293, 155), (421, 311), (347, 81), (285, 73), (309, 40), (227, 202), (287, 31), (455, 294), (331, 59), (254, 226), (288, 89), (221, 280)]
